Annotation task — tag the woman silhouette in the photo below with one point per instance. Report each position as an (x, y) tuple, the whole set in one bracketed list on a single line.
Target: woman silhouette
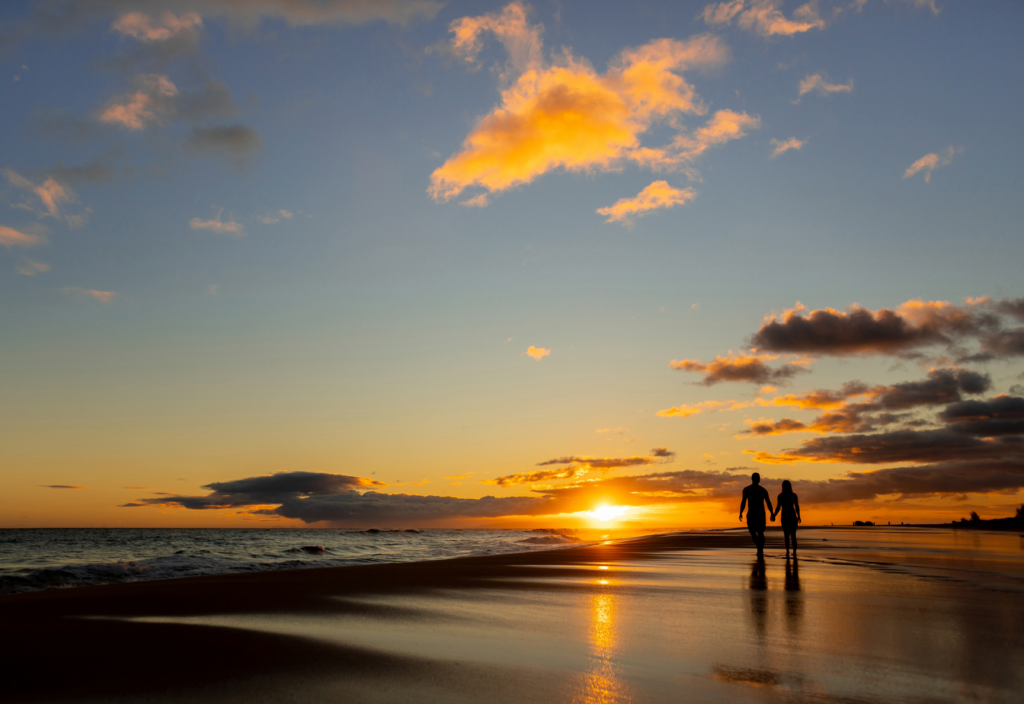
[(789, 506)]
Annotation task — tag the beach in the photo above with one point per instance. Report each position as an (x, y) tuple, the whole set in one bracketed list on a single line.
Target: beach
[(861, 615)]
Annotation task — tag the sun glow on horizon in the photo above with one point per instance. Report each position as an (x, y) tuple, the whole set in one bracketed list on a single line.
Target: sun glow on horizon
[(608, 513)]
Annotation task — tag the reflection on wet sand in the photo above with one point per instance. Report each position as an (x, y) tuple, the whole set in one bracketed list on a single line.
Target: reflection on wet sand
[(908, 616), (603, 683), (759, 600), (794, 599)]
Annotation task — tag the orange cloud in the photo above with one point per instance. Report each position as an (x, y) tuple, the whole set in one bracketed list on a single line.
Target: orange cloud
[(9, 237), (740, 367), (681, 411), (217, 225), (781, 147), (478, 201), (522, 40), (580, 466), (819, 399), (764, 17), (826, 423), (566, 115), (537, 353), (820, 86), (52, 197), (148, 104), (144, 28), (685, 411), (930, 162), (724, 126), (657, 195)]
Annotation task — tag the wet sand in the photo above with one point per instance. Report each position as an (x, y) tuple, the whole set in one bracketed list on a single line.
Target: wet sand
[(860, 616)]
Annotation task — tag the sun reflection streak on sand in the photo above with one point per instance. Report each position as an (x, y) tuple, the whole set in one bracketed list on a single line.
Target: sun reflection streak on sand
[(603, 683)]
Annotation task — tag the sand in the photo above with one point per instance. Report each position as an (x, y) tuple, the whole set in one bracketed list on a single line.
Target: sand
[(861, 616)]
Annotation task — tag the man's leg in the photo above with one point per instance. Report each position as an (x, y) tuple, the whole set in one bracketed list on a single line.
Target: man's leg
[(757, 533)]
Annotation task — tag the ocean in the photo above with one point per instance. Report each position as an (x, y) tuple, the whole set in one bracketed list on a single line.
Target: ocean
[(33, 559)]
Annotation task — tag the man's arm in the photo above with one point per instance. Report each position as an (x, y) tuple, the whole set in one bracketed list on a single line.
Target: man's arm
[(743, 505), (768, 500)]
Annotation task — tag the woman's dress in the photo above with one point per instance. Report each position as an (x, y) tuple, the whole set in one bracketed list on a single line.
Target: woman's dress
[(787, 506)]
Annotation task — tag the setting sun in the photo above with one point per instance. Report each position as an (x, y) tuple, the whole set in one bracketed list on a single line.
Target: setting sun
[(608, 513)]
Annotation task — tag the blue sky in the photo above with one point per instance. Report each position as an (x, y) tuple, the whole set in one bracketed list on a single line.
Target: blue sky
[(371, 328)]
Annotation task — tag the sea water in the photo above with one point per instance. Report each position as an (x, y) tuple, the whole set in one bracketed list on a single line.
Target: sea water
[(32, 559)]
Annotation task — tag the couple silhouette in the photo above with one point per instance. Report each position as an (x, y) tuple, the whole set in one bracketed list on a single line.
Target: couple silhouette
[(755, 497)]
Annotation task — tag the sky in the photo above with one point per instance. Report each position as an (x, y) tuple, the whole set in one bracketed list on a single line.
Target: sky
[(271, 263)]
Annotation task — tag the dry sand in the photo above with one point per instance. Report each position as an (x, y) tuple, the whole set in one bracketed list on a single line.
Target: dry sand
[(869, 616)]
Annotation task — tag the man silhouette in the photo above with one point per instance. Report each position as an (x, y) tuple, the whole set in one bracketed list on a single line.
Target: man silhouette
[(758, 497)]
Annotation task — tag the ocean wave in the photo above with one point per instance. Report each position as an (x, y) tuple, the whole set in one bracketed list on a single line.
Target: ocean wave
[(553, 539), (169, 567), (310, 549), (91, 557)]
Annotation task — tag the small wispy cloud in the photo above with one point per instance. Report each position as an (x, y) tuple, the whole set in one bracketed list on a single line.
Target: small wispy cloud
[(149, 103), (656, 196), (146, 29), (816, 83), (217, 225), (931, 162), (101, 296), (52, 197), (783, 146), (274, 218), (62, 486), (479, 201), (9, 237), (29, 267), (764, 17), (537, 353)]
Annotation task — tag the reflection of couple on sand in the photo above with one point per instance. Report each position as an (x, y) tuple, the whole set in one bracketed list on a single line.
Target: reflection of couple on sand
[(755, 497)]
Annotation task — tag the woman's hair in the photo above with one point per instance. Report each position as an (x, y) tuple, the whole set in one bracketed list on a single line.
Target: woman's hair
[(787, 488)]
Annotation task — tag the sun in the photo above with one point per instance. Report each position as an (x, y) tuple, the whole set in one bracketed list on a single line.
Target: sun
[(608, 513)]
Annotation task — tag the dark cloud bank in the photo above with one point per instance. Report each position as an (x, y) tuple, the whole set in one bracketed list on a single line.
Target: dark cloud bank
[(979, 450), (946, 443)]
